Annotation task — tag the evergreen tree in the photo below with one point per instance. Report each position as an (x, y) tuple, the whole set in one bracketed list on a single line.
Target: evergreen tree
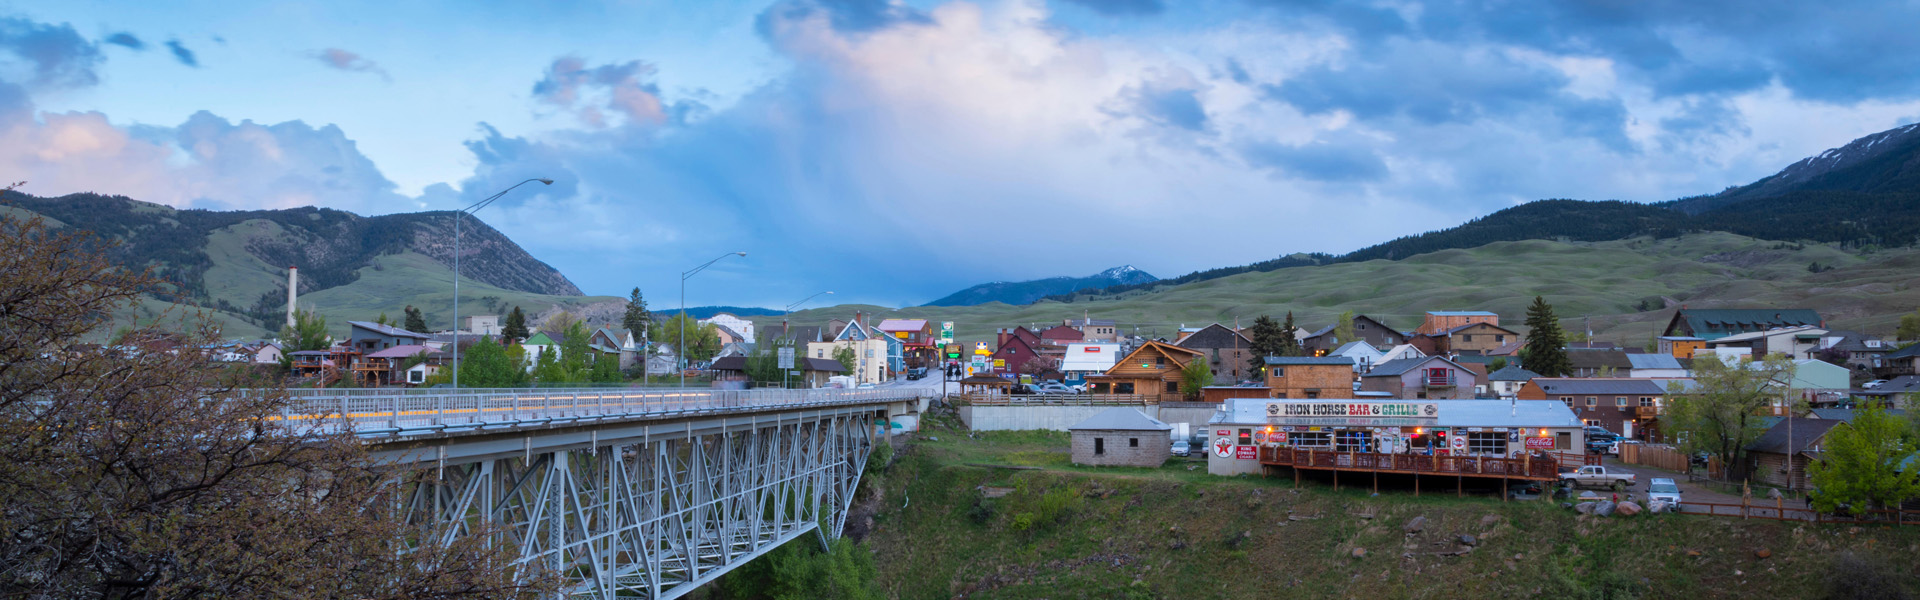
[(1546, 349), (637, 317), (1289, 345), (516, 328), (1266, 338), (415, 321)]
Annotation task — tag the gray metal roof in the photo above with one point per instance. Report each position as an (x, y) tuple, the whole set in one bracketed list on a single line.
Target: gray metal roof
[(1512, 372), (1599, 385), (1123, 419), (1349, 346), (1400, 366), (1452, 413), (387, 330), (1846, 414), (1804, 433), (1654, 361), (1309, 360)]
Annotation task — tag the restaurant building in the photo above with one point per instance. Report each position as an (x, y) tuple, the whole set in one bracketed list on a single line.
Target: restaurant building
[(1242, 436)]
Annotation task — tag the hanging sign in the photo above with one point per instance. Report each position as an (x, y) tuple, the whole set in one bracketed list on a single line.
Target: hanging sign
[(1223, 447), (1246, 453), (1539, 443), (1459, 443)]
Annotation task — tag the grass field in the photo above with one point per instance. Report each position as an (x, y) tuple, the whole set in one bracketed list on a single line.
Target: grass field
[(1084, 532), (1601, 284)]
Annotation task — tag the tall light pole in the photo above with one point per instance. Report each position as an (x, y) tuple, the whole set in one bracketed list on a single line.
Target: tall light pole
[(784, 379), (790, 307), (458, 216), (682, 350)]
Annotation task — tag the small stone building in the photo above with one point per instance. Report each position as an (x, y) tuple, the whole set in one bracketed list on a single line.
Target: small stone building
[(1121, 436)]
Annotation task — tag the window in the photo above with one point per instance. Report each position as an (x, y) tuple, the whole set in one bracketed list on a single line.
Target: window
[(1420, 395), (1280, 395), (1487, 442), (1352, 441), (1133, 442), (1173, 387), (1500, 337), (1466, 338), (1277, 371), (1315, 439), (1123, 388), (1159, 361), (1646, 401), (1312, 395), (1246, 436), (1360, 326), (1568, 400), (1591, 422), (1099, 445), (1620, 401), (1592, 401)]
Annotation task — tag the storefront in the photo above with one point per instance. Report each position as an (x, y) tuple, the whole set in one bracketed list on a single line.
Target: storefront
[(1491, 428)]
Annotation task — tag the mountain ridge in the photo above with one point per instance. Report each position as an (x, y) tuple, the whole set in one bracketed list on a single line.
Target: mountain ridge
[(1025, 292)]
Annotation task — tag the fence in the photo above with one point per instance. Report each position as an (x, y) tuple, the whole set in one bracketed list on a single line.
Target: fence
[(1527, 467), (1657, 456), (372, 412), (1780, 510)]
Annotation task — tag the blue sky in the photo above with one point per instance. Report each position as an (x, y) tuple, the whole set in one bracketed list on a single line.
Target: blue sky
[(893, 152)]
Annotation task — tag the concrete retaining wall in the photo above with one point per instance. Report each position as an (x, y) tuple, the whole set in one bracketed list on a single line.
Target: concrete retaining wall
[(1017, 418)]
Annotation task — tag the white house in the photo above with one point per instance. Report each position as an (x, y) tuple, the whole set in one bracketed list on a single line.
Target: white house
[(729, 321), (1082, 360), (483, 325), (1364, 355), (1795, 342)]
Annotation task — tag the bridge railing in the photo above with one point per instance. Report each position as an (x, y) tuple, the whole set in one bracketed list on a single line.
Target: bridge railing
[(372, 411)]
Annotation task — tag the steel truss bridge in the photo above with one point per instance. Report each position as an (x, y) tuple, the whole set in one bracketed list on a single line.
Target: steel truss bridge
[(624, 493)]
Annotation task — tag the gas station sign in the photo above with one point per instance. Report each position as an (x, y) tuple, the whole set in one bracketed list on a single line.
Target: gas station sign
[(946, 332)]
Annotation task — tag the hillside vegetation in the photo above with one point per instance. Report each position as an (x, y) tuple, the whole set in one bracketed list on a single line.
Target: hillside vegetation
[(1174, 532), (1624, 289)]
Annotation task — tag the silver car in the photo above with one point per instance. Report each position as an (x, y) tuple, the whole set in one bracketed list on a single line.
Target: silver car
[(1665, 489), (1181, 448)]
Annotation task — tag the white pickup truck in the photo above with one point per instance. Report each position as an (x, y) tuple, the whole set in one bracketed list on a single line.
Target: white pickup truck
[(1595, 476)]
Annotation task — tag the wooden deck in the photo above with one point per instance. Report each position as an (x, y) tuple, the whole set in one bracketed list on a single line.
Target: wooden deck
[(1528, 468)]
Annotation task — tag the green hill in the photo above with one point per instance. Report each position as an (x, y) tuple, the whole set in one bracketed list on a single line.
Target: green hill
[(1626, 287)]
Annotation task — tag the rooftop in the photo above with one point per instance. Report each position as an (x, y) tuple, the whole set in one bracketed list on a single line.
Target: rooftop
[(1574, 386), (1462, 313), (1449, 413), (386, 330), (1121, 418), (1309, 360)]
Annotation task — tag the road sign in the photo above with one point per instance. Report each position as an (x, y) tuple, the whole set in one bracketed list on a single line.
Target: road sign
[(786, 358), (946, 332)]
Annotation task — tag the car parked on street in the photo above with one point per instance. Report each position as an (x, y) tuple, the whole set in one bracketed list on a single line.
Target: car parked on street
[(1596, 476)]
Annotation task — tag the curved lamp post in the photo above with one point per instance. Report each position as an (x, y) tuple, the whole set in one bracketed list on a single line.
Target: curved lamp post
[(682, 350), (458, 216)]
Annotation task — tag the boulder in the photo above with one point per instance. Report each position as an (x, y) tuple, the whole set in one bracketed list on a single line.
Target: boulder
[(1585, 508), (1468, 540), (1417, 525), (1603, 508), (1627, 509), (1589, 495)]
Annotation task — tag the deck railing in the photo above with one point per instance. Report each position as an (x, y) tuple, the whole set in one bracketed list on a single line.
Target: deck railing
[(384, 411), (1527, 467)]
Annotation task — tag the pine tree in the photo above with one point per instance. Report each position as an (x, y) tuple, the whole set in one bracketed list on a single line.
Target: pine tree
[(637, 317), (1546, 345), (516, 329), (1289, 345), (1266, 338), (415, 321)]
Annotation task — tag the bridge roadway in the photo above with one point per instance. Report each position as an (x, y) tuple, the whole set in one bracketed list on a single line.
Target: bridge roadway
[(626, 493)]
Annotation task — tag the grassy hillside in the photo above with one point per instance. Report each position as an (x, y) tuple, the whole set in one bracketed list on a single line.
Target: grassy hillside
[(396, 280), (1172, 532), (1608, 281)]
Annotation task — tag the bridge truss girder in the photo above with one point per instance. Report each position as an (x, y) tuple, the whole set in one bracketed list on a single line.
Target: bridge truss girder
[(653, 516)]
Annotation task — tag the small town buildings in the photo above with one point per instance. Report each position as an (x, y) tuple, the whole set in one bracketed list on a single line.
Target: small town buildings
[(869, 350), (1501, 428), (743, 327), (1001, 335), (727, 335), (1153, 369), (1819, 382), (1905, 361), (1018, 356), (1229, 353), (1475, 338), (1861, 352), (1309, 377), (1797, 438), (1399, 352), (1061, 335), (1442, 320), (1364, 355), (814, 372), (1083, 360), (540, 342), (1121, 436), (1425, 378), (1365, 329), (1792, 342), (367, 337), (1507, 381), (483, 325), (1714, 323), (1095, 330), (392, 366), (619, 343), (1628, 407), (1656, 366), (1599, 363), (1681, 346), (794, 335), (916, 338)]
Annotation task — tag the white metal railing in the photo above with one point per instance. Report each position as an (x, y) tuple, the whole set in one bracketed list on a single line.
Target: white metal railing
[(387, 411)]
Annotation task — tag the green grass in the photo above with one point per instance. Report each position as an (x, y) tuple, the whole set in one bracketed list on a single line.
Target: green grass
[(1603, 281), (1085, 532), (412, 278)]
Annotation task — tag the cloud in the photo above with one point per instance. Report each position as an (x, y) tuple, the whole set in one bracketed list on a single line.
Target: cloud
[(591, 93), (1122, 8), (126, 40), (1318, 161), (348, 61), (38, 56), (182, 54), (846, 16), (1173, 106)]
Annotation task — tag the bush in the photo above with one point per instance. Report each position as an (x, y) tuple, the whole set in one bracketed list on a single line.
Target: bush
[(880, 458), (1855, 577), (1023, 521)]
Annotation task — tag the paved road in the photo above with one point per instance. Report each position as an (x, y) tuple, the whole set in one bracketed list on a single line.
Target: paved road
[(1691, 492)]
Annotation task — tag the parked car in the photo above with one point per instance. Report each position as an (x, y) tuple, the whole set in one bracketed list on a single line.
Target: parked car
[(1182, 448), (1873, 384), (1596, 476), (1663, 488), (1056, 388), (916, 373)]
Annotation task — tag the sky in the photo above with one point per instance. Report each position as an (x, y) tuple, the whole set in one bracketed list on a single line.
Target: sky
[(894, 152)]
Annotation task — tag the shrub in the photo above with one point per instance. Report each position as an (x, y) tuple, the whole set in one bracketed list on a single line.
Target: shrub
[(1023, 521), (1855, 577)]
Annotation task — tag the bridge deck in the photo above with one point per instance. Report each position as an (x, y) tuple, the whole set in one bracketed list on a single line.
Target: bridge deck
[(411, 413)]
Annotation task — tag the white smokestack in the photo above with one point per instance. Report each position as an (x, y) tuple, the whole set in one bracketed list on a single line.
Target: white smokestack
[(293, 292)]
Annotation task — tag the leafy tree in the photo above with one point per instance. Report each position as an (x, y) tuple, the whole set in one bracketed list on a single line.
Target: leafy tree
[(557, 324), (1861, 465), (382, 319), (1343, 328), (487, 364), (763, 366), (1497, 364), (702, 342), (844, 571), (1909, 327), (845, 356), (1197, 374), (1289, 343), (308, 332), (1546, 349), (606, 369), (636, 318), (416, 322), (1721, 413), (1266, 338), (143, 475), (516, 327)]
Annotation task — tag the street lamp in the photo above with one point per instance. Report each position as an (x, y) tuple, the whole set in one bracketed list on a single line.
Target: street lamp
[(784, 380), (458, 216), (790, 307), (682, 350)]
